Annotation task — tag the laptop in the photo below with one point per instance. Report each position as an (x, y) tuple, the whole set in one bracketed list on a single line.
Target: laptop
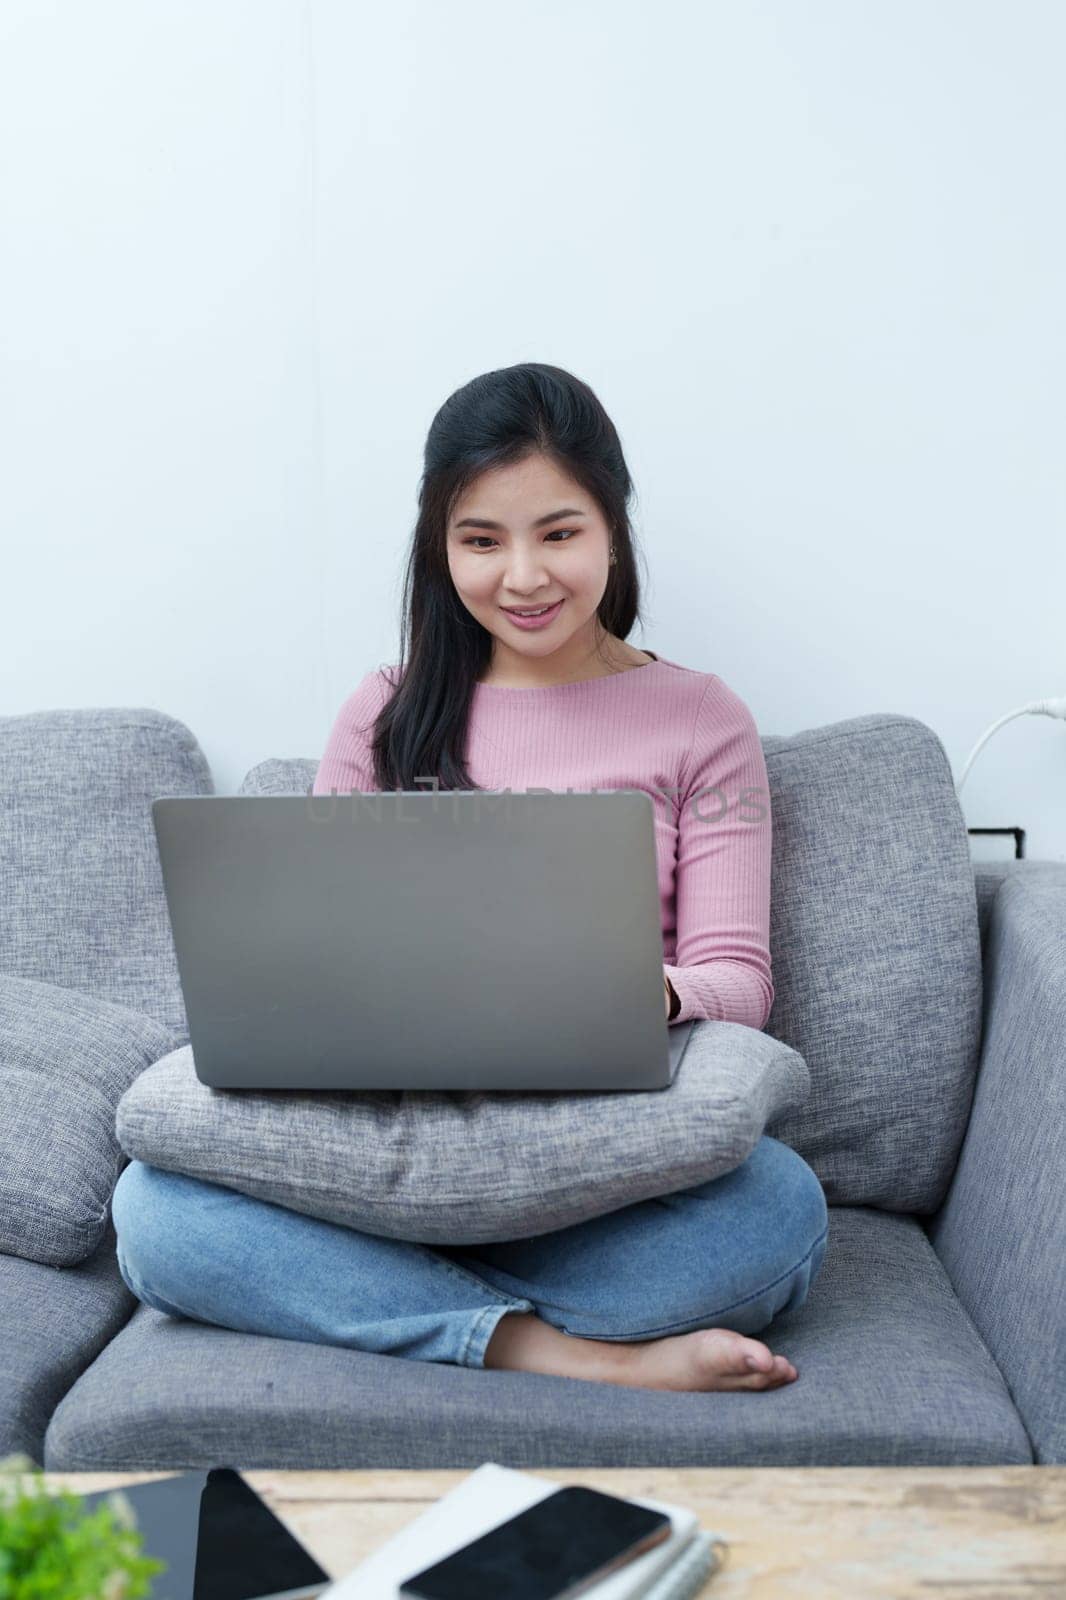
[(420, 940)]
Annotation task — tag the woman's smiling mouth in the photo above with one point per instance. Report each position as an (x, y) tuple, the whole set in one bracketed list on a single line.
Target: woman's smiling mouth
[(538, 618)]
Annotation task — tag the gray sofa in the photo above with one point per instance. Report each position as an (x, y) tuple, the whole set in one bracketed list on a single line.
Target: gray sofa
[(927, 998)]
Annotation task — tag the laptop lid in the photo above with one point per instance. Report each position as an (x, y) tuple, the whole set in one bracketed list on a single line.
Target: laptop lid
[(414, 940)]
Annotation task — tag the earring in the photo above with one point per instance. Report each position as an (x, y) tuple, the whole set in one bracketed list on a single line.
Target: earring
[(613, 559)]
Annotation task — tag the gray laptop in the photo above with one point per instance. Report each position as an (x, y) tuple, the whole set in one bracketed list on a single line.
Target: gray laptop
[(420, 940)]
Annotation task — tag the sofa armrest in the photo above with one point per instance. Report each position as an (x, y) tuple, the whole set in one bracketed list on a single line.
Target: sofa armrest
[(1001, 1231)]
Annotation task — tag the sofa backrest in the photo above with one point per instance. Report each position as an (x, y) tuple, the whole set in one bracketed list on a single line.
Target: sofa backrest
[(281, 775), (81, 891), (876, 956), (875, 952), (874, 939)]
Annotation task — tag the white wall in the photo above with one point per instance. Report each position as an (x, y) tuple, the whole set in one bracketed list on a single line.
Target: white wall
[(810, 256)]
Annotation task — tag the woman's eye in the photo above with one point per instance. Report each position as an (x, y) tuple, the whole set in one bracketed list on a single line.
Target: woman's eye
[(478, 537)]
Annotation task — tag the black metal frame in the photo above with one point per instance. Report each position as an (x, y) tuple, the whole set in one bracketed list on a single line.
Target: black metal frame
[(1017, 833)]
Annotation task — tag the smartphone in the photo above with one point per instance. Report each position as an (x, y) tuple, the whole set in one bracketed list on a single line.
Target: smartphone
[(219, 1539), (561, 1546)]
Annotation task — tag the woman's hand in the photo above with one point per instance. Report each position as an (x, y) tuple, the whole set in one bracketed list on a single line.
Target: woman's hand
[(666, 991)]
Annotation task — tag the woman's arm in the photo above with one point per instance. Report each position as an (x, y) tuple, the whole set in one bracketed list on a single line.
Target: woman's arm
[(721, 964)]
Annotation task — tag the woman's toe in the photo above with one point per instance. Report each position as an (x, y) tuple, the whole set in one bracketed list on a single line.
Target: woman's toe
[(755, 1357)]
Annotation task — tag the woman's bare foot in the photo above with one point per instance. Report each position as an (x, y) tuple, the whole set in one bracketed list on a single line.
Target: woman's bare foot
[(708, 1358)]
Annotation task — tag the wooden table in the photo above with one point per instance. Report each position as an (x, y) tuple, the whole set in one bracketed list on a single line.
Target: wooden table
[(842, 1533)]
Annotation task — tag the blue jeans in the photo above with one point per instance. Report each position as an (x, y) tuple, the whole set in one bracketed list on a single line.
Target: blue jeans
[(732, 1253)]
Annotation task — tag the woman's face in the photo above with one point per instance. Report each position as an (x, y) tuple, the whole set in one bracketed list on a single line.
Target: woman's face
[(526, 536)]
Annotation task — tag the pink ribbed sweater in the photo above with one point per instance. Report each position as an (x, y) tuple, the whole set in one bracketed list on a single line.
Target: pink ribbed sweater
[(683, 736)]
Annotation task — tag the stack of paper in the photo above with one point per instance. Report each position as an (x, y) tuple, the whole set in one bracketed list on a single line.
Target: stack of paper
[(673, 1570)]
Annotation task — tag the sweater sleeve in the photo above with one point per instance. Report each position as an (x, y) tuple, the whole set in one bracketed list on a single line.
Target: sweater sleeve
[(347, 767), (723, 868)]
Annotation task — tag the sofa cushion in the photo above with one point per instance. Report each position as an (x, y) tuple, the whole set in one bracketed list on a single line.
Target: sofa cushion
[(876, 956), (891, 1373), (54, 1321), (467, 1166), (65, 1060), (80, 881), (280, 775)]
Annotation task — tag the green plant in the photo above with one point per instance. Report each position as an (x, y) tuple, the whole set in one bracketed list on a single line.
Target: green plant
[(52, 1548)]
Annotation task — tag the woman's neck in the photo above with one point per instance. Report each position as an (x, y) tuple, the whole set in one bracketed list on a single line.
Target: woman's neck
[(622, 658)]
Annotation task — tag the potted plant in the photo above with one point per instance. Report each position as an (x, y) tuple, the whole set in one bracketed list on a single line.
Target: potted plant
[(53, 1548)]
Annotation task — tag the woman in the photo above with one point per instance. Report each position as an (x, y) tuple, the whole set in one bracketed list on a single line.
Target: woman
[(523, 508)]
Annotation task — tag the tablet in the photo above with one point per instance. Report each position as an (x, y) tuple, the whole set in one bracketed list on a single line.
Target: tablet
[(219, 1539)]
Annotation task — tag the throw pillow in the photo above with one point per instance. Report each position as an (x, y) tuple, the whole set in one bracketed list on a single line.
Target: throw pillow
[(876, 955), (65, 1061), (465, 1166)]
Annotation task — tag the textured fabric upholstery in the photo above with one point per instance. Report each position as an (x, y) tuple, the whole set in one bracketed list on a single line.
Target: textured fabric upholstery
[(80, 882), (293, 775), (54, 1321), (1002, 1230), (65, 1060), (874, 942), (464, 1167), (987, 877), (876, 957), (890, 1371)]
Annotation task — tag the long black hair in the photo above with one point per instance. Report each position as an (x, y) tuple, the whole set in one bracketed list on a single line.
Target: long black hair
[(495, 420)]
